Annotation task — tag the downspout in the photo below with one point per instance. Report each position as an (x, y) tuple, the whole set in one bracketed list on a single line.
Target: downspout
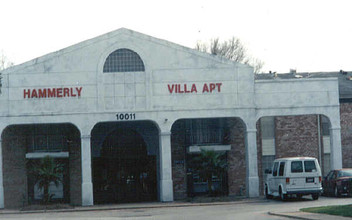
[(319, 141)]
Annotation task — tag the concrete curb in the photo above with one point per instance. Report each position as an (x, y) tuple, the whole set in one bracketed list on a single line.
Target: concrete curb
[(124, 207), (289, 216)]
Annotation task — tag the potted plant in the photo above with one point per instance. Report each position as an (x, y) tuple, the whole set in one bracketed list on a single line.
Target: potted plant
[(209, 163), (46, 171)]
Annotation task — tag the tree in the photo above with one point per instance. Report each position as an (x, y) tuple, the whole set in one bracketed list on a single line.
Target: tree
[(46, 171), (4, 61), (209, 163), (232, 49)]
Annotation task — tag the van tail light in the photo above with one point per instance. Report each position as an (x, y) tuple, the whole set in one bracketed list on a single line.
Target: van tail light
[(319, 179), (288, 180)]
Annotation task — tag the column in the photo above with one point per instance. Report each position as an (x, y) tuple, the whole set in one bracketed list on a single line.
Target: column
[(87, 186), (1, 178), (252, 179), (335, 145), (166, 186)]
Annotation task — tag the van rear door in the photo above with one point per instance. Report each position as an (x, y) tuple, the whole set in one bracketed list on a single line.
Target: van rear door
[(297, 177), (312, 173)]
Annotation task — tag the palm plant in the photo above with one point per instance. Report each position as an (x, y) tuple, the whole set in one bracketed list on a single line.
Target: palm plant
[(46, 171), (209, 163)]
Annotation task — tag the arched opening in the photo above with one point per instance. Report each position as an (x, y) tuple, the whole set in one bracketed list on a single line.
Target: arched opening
[(224, 136), (124, 162), (24, 144), (293, 136)]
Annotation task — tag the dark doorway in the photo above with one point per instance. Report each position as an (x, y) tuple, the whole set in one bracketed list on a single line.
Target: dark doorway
[(124, 172)]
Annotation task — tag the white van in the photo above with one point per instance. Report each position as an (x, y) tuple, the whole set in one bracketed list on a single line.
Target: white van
[(293, 176)]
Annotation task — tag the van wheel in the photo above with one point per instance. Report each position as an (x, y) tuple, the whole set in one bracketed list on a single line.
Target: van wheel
[(267, 196), (315, 196), (282, 196)]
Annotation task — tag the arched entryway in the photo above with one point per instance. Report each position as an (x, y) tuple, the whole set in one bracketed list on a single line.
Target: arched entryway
[(26, 143), (293, 136), (124, 162), (223, 136)]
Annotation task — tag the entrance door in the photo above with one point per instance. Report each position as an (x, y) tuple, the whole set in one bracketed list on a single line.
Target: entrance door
[(124, 172)]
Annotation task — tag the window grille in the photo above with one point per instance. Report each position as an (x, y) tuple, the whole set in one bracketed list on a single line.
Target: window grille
[(205, 131), (123, 60), (47, 143)]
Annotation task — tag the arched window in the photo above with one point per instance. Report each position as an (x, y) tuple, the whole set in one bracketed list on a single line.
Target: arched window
[(123, 60)]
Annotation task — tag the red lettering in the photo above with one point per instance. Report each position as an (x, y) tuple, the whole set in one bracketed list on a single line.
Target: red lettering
[(219, 85), (205, 88), (66, 92), (51, 93), (34, 94), (42, 93), (186, 91), (71, 93), (194, 88), (79, 91), (212, 86), (26, 93), (172, 88), (59, 92), (179, 89)]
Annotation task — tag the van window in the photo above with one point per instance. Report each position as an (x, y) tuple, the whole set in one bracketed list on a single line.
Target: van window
[(275, 168), (281, 168), (309, 166), (296, 167)]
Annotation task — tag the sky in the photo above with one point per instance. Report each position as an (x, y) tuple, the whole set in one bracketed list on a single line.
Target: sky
[(305, 35)]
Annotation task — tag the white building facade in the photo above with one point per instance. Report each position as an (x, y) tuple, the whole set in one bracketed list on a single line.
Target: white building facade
[(125, 79)]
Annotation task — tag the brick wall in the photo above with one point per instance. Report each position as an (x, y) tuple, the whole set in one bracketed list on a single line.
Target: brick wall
[(259, 158), (296, 136), (14, 168), (179, 175), (346, 134), (236, 159)]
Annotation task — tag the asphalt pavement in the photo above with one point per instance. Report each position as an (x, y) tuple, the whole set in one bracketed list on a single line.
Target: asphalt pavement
[(159, 205)]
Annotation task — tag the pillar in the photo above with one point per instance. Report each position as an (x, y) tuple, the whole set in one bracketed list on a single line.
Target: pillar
[(335, 145), (252, 179), (166, 186), (87, 186)]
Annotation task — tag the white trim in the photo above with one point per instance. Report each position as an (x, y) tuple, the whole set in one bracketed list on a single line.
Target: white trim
[(197, 149), (38, 155)]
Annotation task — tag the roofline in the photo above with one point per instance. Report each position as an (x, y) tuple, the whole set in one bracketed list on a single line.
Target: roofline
[(115, 33)]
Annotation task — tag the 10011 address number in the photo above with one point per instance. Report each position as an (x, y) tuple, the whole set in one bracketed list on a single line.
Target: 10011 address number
[(126, 116)]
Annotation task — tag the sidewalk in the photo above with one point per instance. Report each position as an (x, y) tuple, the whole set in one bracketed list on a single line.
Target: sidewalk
[(130, 206), (308, 216)]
